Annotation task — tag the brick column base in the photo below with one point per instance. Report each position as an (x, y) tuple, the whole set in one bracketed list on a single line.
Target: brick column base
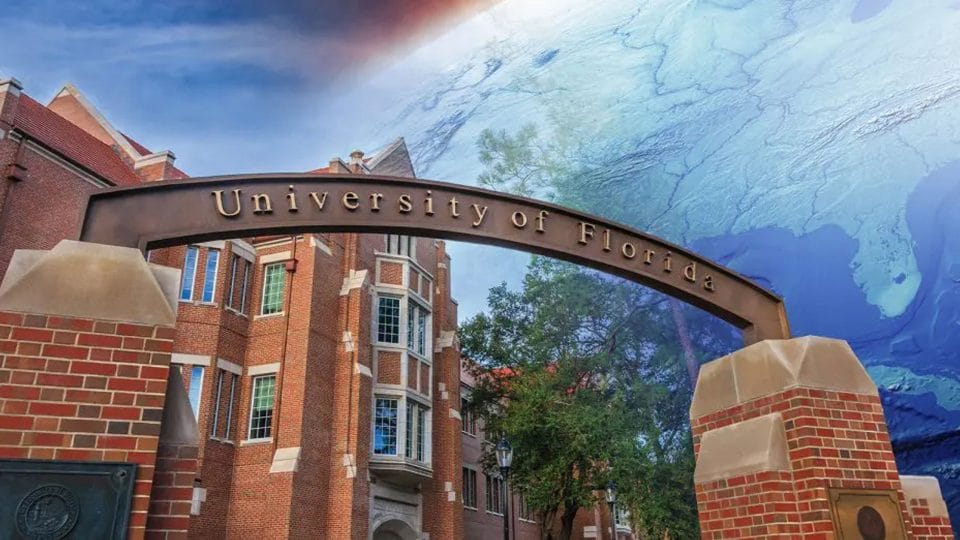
[(85, 360), (791, 442)]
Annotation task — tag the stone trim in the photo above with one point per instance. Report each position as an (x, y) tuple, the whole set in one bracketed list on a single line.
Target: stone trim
[(11, 86), (244, 250), (275, 257), (285, 459), (755, 445), (354, 280), (163, 156), (316, 243), (226, 365), (190, 359), (263, 369), (455, 414)]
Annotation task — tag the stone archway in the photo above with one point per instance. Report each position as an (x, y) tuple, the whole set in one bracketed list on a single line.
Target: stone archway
[(394, 530)]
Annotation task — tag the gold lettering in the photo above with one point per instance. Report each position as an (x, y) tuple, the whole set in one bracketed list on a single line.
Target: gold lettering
[(318, 200), (429, 203), (292, 200), (628, 250), (667, 263), (606, 240), (708, 282), (236, 202), (648, 256), (690, 272), (351, 201), (406, 205), (375, 201), (519, 220), (453, 207), (481, 212), (540, 217), (586, 231), (261, 198)]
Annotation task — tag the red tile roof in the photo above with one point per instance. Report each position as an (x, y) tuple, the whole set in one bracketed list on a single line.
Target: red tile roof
[(137, 146), (77, 145)]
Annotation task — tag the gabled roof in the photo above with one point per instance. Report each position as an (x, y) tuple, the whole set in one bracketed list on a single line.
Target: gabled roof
[(391, 160), (74, 143), (73, 105)]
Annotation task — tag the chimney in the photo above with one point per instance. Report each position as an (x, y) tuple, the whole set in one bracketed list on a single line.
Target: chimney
[(356, 161), (9, 99)]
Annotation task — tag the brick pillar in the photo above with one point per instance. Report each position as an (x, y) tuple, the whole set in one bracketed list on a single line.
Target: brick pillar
[(442, 500), (85, 338), (348, 495), (927, 508), (791, 442)]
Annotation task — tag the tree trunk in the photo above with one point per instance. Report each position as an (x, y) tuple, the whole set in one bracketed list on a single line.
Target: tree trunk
[(566, 521), (690, 358)]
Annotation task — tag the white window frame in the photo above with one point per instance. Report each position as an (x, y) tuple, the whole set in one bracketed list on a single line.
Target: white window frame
[(400, 320), (475, 490), (263, 289), (203, 373), (273, 406), (400, 427)]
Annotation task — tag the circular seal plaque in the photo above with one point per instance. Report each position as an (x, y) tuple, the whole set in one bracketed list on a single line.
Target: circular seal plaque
[(870, 524), (47, 513)]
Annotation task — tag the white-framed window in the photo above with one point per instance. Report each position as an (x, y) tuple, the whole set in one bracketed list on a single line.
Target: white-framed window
[(210, 276), (238, 284), (189, 273), (274, 276), (261, 406), (496, 495), (196, 389), (469, 489), (417, 328), (416, 431), (399, 244), (388, 319), (385, 425), (226, 388)]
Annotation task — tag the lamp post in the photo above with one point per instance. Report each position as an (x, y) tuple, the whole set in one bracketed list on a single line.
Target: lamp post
[(504, 460), (612, 502)]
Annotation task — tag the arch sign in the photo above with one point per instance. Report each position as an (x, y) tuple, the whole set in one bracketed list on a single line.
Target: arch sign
[(168, 213)]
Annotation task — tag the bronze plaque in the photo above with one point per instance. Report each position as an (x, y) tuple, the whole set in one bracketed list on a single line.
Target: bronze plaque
[(863, 514)]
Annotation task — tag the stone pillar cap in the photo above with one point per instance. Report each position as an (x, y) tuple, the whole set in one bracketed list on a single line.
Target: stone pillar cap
[(91, 281), (775, 365), (925, 487)]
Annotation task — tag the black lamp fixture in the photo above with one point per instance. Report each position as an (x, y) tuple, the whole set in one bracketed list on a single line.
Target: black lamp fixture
[(612, 502), (504, 459)]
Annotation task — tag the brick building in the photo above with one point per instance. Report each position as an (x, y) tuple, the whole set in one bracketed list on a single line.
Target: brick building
[(322, 369)]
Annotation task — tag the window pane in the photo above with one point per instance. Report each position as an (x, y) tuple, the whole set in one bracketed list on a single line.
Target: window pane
[(408, 446), (421, 431), (261, 408), (232, 282), (388, 319), (385, 427), (189, 274), (421, 331), (469, 488), (272, 289), (216, 404), (233, 393), (246, 283), (210, 275), (196, 385)]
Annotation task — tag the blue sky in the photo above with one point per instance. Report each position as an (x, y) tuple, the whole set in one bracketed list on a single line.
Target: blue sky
[(229, 87)]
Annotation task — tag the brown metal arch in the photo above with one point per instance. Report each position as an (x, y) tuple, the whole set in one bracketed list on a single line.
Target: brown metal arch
[(182, 211)]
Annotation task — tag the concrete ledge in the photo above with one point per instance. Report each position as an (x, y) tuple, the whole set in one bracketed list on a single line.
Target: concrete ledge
[(772, 366), (748, 447), (91, 281), (925, 487)]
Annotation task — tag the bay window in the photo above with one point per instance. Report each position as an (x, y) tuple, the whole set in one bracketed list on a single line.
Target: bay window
[(385, 427)]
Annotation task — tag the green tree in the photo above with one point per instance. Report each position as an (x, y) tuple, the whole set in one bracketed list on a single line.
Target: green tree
[(583, 373)]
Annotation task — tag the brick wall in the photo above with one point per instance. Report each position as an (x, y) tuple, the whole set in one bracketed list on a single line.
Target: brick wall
[(81, 389)]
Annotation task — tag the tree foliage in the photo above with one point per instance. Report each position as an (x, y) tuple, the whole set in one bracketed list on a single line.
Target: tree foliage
[(584, 374)]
